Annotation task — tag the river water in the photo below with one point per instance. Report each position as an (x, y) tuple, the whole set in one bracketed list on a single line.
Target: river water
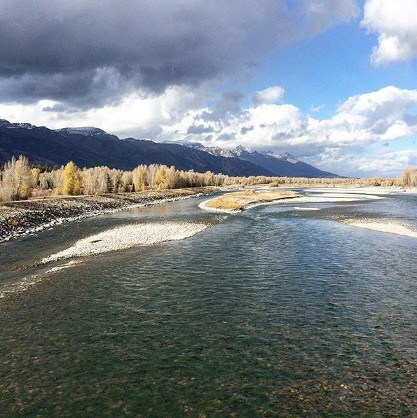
[(271, 312)]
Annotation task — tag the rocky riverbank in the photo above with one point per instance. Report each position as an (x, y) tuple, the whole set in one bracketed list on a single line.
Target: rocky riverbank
[(23, 218)]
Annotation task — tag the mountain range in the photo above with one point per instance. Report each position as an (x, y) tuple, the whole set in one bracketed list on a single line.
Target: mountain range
[(89, 147)]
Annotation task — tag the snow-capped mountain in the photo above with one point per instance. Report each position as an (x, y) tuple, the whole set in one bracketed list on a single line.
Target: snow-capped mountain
[(89, 146), (241, 150), (83, 130), (6, 123), (283, 164)]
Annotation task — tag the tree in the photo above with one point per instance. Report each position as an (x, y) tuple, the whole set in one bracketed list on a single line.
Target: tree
[(408, 177), (109, 183), (161, 177), (71, 180), (16, 179), (118, 183), (140, 177)]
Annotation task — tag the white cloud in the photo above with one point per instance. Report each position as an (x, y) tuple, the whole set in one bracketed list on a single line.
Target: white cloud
[(135, 115), (384, 163), (362, 120), (395, 23), (382, 115), (377, 116), (270, 95)]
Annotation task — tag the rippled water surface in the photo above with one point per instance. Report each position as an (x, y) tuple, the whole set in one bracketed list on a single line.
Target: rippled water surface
[(272, 312)]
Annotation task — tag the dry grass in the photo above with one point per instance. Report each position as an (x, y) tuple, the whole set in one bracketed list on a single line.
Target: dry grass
[(241, 200)]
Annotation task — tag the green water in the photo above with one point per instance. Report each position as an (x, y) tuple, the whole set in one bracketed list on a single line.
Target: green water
[(273, 312)]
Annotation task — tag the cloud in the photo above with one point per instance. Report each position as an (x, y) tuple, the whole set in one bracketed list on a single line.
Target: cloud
[(339, 143), (228, 104), (360, 121), (325, 13), (382, 164), (81, 89), (88, 54), (245, 129), (384, 115), (134, 115), (270, 95), (377, 116), (395, 23), (199, 129), (227, 137)]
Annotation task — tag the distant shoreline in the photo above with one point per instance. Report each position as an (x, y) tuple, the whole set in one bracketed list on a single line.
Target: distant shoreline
[(27, 217), (237, 202)]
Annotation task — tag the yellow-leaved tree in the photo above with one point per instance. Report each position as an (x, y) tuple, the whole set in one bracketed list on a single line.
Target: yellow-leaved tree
[(140, 178), (15, 179), (71, 180), (161, 177)]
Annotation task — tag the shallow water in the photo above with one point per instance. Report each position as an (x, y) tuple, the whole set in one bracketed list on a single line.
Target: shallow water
[(272, 312)]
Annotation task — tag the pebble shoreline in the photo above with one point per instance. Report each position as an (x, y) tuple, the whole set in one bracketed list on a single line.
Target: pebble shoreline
[(22, 218)]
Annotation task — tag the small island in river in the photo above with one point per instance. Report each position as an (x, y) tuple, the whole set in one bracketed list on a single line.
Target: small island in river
[(238, 201)]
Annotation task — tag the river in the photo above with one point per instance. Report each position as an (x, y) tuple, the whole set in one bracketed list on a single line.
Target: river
[(272, 312)]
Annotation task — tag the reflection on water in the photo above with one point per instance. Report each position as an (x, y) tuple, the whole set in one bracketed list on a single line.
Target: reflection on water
[(269, 313)]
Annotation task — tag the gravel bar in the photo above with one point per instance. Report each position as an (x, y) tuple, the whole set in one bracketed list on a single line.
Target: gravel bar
[(22, 218)]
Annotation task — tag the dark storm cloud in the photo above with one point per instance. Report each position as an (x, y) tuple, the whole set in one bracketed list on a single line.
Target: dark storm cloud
[(80, 89), (86, 53)]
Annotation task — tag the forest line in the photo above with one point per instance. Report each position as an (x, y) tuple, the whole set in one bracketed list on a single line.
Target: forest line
[(19, 180)]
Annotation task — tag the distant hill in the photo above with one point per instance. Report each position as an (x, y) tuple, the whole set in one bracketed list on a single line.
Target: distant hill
[(89, 147), (283, 165)]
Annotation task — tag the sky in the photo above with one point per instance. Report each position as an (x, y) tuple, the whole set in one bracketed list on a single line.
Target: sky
[(333, 82)]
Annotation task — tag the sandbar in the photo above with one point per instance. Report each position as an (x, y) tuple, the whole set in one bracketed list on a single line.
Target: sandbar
[(128, 236), (383, 226)]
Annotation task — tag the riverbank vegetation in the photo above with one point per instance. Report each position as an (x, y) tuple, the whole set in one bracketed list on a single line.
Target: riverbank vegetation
[(20, 181), (408, 178)]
